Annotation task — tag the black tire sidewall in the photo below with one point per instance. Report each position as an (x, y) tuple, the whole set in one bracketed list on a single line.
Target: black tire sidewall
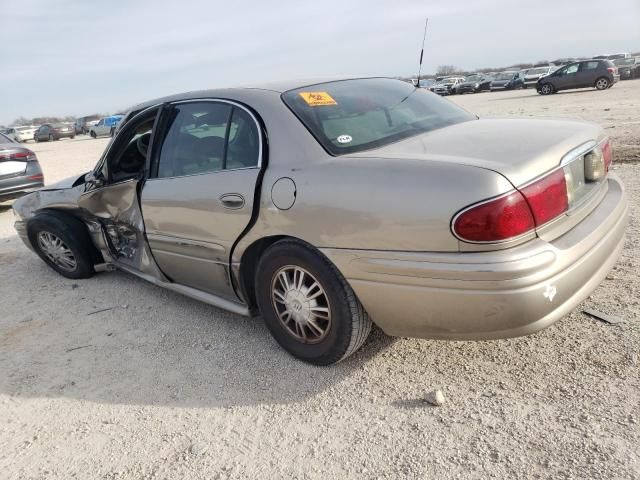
[(70, 231), (333, 347)]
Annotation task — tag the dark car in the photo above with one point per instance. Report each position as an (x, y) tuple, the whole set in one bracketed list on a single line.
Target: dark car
[(600, 74), (49, 132), (628, 68), (509, 80), (20, 171), (473, 84)]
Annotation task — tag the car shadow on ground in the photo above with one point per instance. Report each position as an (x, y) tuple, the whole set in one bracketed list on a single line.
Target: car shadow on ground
[(117, 339), (537, 95)]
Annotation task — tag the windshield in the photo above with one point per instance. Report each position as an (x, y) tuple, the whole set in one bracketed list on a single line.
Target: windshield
[(504, 76), (354, 115)]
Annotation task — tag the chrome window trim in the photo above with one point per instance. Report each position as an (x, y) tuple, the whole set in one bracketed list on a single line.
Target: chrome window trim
[(229, 102), (119, 132)]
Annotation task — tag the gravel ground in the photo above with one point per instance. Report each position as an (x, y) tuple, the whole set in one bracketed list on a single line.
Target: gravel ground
[(160, 386)]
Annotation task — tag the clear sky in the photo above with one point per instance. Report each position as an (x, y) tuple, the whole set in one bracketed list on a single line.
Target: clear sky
[(76, 57)]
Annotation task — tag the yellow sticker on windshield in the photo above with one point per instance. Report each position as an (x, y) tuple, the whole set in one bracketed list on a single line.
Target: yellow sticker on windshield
[(316, 99)]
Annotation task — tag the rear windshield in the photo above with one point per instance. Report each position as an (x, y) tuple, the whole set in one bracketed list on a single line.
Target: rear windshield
[(353, 115)]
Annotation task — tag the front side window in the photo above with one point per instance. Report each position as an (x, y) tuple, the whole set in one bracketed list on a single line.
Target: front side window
[(354, 115), (207, 137), (127, 157), (571, 69)]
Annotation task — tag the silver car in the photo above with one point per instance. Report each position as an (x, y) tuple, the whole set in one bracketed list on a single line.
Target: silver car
[(327, 206)]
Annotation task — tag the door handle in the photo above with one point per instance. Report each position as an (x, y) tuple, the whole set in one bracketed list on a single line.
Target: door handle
[(232, 201)]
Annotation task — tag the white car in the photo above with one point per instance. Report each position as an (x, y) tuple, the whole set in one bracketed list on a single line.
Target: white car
[(105, 126), (25, 133)]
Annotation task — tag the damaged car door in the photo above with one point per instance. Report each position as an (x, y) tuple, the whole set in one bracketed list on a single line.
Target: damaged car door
[(112, 194), (199, 196)]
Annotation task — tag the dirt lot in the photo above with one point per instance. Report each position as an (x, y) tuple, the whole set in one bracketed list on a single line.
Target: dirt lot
[(126, 392)]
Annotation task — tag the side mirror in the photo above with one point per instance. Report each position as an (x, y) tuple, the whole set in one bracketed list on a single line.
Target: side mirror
[(94, 179)]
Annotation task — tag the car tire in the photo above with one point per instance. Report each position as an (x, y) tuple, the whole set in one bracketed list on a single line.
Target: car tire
[(63, 242), (93, 134), (72, 137), (602, 83), (546, 89), (293, 281), (51, 138)]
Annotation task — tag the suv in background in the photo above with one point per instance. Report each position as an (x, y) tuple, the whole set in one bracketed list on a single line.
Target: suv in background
[(446, 85), (83, 124), (532, 75), (106, 126), (509, 80), (628, 68), (600, 74)]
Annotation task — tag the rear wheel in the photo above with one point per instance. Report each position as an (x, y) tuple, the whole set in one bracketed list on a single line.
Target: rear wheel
[(63, 243), (307, 305), (93, 134), (602, 83), (546, 89)]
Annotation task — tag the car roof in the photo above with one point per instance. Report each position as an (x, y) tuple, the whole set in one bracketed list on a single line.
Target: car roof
[(274, 86)]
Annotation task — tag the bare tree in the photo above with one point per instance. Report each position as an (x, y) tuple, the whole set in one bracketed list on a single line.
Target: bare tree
[(446, 70)]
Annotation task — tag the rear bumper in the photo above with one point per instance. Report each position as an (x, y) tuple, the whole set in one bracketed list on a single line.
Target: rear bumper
[(14, 187), (488, 295)]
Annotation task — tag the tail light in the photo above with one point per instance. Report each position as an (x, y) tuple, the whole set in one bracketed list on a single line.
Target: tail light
[(22, 155), (516, 213), (611, 69)]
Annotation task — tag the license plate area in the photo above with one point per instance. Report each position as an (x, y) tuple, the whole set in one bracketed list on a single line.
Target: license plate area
[(12, 167)]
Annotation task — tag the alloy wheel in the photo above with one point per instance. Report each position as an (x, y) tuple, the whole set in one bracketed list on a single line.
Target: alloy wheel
[(57, 251), (546, 89), (602, 83), (301, 304)]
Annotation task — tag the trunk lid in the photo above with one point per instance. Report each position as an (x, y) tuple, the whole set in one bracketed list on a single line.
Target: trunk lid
[(519, 149)]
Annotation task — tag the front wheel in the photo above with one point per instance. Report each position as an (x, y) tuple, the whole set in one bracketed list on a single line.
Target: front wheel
[(546, 89), (93, 134), (63, 243), (603, 83), (307, 305)]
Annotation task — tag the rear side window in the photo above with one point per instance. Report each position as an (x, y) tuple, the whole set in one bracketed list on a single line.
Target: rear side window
[(587, 66), (354, 115), (208, 137)]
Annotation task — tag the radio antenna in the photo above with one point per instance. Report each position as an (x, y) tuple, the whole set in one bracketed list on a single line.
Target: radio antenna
[(424, 36)]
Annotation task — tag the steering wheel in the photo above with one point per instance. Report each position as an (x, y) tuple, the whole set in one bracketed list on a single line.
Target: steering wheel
[(142, 144)]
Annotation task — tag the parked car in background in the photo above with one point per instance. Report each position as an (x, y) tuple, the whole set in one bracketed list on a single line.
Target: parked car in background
[(628, 68), (105, 126), (427, 83), (83, 124), (473, 83), (49, 132), (20, 171), (491, 228), (600, 74), (24, 133), (9, 132), (445, 86), (508, 80), (532, 75)]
